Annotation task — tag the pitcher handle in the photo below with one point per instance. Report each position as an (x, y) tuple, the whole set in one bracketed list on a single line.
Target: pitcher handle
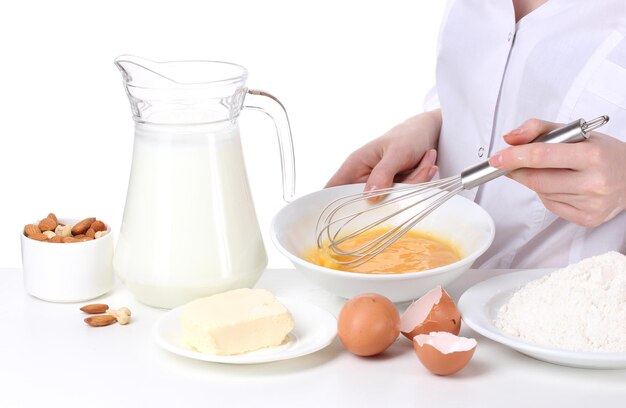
[(270, 105)]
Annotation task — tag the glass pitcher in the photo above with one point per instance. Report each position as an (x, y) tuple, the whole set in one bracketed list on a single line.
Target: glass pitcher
[(189, 226)]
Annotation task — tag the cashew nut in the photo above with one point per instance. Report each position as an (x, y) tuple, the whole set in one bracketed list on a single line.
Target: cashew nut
[(63, 230), (122, 314), (99, 234)]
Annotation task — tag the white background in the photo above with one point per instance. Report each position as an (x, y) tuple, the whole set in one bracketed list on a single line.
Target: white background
[(346, 71)]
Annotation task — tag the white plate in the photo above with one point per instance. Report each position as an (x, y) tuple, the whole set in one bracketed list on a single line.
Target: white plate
[(314, 329), (479, 307)]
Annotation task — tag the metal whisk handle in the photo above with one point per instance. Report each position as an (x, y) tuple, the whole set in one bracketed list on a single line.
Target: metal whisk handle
[(577, 131)]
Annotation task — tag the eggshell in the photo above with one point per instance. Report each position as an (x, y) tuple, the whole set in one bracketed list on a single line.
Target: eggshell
[(433, 312), (368, 324), (443, 353)]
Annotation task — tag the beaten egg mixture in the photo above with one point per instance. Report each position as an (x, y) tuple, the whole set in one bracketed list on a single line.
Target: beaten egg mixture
[(414, 251)]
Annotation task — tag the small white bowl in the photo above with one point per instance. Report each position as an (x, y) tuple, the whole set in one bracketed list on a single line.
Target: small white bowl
[(461, 221), (68, 272)]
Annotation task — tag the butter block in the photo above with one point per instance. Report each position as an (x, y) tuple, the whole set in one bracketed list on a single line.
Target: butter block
[(235, 322)]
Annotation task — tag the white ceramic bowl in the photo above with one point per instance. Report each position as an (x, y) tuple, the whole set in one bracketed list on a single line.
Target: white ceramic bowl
[(461, 221), (69, 272)]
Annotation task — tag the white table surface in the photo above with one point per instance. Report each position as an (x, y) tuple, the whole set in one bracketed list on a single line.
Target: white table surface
[(50, 358)]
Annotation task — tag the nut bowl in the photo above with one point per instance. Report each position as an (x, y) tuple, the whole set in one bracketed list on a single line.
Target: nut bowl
[(68, 272), (459, 221)]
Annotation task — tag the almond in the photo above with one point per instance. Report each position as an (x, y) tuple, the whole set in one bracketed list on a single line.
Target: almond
[(69, 239), (84, 238), (56, 239), (82, 226), (100, 320), (98, 226), (90, 233), (95, 308), (53, 217), (47, 224), (31, 229), (38, 236)]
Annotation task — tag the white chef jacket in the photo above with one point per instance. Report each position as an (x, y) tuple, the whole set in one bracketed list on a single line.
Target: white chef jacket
[(563, 61)]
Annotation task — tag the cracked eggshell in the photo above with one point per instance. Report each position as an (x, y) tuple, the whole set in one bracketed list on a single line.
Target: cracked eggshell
[(443, 353), (433, 312), (368, 324)]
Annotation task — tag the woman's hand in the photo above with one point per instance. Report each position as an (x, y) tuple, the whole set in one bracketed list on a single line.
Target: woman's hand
[(404, 154), (584, 183)]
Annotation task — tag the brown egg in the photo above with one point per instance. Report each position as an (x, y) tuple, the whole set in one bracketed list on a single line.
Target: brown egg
[(368, 324), (433, 312), (443, 353)]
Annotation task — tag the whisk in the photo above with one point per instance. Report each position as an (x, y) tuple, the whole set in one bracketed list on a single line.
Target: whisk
[(338, 221)]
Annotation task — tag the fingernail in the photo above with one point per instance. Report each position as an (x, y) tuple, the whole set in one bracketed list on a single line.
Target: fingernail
[(432, 172), (517, 131), (373, 198), (370, 188), (432, 155), (496, 160)]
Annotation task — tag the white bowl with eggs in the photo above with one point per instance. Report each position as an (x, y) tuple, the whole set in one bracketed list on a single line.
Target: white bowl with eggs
[(459, 221)]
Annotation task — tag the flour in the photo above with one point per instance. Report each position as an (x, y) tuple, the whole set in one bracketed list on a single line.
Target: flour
[(581, 307)]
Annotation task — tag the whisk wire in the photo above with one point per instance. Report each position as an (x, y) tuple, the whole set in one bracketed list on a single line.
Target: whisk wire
[(334, 245), (337, 205), (359, 258), (380, 221), (438, 192)]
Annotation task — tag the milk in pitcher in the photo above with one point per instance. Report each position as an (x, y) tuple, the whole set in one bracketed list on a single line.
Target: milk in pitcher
[(190, 228)]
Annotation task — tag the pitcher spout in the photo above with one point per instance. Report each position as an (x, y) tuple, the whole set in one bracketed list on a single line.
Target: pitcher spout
[(141, 72), (182, 92)]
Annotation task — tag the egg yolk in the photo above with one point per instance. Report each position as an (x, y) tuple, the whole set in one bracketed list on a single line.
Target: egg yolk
[(412, 252)]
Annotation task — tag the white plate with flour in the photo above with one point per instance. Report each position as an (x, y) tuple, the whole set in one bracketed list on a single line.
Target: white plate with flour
[(314, 329), (479, 307)]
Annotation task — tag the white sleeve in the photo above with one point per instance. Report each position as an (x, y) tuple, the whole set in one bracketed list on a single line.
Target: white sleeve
[(431, 101)]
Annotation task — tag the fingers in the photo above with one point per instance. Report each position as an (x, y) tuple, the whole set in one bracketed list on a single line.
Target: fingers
[(579, 182), (548, 181), (563, 210), (543, 155), (529, 131), (385, 171), (530, 155), (584, 198), (353, 170), (582, 214), (344, 175), (424, 172), (419, 176)]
